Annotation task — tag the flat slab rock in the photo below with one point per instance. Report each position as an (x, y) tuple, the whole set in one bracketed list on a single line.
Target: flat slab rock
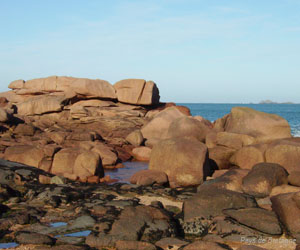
[(260, 219), (211, 201)]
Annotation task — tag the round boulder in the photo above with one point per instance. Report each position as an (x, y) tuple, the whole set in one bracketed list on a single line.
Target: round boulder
[(262, 178), (264, 127)]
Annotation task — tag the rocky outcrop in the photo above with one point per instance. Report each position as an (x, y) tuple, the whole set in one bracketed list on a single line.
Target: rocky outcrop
[(72, 129), (137, 91), (75, 115)]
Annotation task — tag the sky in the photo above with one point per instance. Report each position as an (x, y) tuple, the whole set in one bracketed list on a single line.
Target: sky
[(197, 51)]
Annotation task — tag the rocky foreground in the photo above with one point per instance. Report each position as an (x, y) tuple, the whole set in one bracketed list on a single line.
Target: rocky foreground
[(231, 184)]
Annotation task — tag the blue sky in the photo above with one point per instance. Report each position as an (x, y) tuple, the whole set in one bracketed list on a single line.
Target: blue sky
[(195, 50)]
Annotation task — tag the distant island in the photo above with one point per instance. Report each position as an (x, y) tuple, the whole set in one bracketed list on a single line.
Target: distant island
[(271, 102)]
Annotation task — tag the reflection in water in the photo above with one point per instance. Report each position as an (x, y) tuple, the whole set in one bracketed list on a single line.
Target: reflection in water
[(124, 174)]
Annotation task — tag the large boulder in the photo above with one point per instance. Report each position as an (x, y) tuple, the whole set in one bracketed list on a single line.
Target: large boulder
[(188, 127), (288, 212), (137, 91), (93, 88), (88, 164), (263, 177), (40, 105), (184, 160), (26, 154), (64, 161), (286, 153), (76, 161), (233, 140), (247, 157), (158, 127), (264, 127)]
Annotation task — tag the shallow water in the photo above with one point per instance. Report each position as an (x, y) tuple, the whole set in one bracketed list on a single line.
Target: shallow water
[(58, 224), (124, 174), (79, 234), (8, 245)]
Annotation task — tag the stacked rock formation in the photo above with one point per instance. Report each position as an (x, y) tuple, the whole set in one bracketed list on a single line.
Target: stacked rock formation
[(73, 126)]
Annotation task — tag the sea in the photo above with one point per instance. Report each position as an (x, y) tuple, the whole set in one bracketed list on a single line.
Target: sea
[(213, 111)]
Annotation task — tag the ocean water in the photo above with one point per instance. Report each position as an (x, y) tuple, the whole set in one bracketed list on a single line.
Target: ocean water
[(213, 111)]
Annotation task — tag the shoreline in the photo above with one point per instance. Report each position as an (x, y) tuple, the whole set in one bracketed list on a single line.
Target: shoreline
[(212, 185)]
